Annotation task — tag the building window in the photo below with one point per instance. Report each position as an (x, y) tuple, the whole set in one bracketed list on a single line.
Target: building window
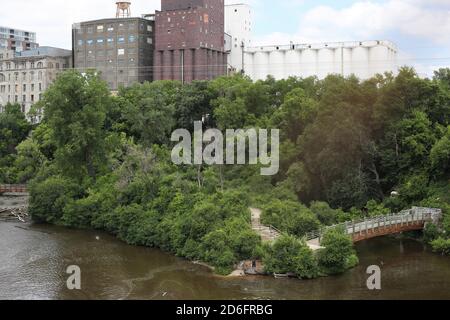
[(90, 42), (131, 38), (120, 52), (110, 40), (100, 28), (100, 41), (80, 42), (121, 39), (110, 29), (149, 40), (149, 28)]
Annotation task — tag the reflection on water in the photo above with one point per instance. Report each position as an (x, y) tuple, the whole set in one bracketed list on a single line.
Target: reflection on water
[(33, 264)]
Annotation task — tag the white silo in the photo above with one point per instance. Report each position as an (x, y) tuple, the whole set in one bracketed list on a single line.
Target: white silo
[(261, 65), (277, 64), (360, 62), (379, 59), (308, 63), (293, 67), (249, 58), (325, 62)]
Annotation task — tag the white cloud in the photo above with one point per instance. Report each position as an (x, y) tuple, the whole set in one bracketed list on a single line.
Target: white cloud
[(424, 20), (366, 20), (53, 19)]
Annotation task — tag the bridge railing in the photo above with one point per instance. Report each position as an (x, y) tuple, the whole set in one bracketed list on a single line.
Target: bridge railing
[(13, 188), (410, 216)]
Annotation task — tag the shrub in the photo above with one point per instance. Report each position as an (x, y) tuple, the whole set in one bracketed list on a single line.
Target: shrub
[(289, 216), (430, 233), (49, 198), (441, 246), (338, 254), (288, 254)]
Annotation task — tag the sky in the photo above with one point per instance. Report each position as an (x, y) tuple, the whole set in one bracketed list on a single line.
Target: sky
[(420, 28)]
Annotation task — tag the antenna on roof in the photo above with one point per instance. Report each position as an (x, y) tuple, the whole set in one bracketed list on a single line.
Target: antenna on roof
[(123, 9)]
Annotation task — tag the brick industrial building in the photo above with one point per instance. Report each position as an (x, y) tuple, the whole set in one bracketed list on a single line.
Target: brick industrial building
[(189, 40), (120, 48)]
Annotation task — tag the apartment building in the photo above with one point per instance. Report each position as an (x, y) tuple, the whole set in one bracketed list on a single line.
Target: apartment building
[(17, 40)]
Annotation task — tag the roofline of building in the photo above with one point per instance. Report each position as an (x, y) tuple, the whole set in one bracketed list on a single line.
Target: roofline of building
[(109, 19), (17, 29), (36, 57), (323, 45), (237, 4)]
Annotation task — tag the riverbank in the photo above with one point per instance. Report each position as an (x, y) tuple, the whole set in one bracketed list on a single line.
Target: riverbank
[(14, 207), (33, 264)]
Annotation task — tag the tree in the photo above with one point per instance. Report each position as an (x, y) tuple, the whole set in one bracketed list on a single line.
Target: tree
[(338, 254), (14, 128), (326, 215), (149, 111), (289, 255), (75, 111), (440, 154), (28, 161), (289, 216)]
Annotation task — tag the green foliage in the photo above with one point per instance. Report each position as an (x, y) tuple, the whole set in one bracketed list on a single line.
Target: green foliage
[(440, 154), (98, 161), (326, 215), (338, 254), (75, 111), (375, 209), (14, 128), (441, 246), (430, 233), (148, 111), (28, 161), (290, 216), (287, 255), (49, 198)]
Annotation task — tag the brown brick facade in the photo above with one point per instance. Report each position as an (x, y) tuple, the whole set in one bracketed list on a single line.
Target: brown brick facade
[(189, 40)]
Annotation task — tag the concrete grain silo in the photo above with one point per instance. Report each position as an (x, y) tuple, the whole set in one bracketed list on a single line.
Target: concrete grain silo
[(309, 63), (277, 64), (360, 62), (325, 62), (261, 65), (293, 63), (363, 59)]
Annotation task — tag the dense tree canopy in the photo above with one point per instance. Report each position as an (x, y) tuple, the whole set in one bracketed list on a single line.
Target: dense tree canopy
[(102, 161)]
